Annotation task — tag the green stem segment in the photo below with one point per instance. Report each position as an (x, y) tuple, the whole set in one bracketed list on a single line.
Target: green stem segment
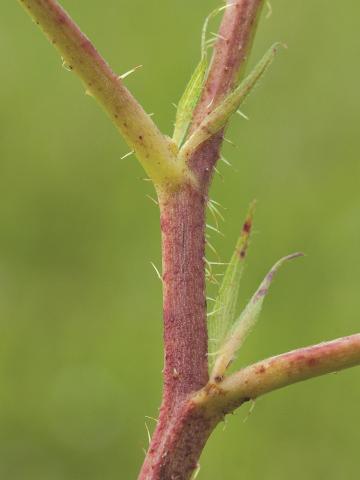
[(156, 152)]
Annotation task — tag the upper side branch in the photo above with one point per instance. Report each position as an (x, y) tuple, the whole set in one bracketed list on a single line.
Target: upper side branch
[(231, 51), (280, 371), (154, 150)]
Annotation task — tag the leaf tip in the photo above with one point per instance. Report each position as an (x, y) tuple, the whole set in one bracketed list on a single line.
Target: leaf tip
[(264, 287), (292, 256)]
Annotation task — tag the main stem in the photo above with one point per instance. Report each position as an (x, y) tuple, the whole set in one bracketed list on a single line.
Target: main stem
[(184, 306), (182, 430), (185, 335)]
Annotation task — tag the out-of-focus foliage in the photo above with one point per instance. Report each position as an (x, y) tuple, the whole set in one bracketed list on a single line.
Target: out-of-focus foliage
[(80, 305)]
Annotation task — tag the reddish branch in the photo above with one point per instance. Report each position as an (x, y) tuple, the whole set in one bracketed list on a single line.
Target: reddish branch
[(183, 232), (231, 52), (278, 372)]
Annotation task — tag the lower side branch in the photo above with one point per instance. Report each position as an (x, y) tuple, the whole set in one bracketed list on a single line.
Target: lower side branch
[(177, 445), (280, 371)]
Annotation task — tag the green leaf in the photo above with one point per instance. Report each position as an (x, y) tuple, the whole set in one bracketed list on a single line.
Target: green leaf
[(189, 100), (193, 90), (219, 117), (213, 14), (247, 320), (226, 301)]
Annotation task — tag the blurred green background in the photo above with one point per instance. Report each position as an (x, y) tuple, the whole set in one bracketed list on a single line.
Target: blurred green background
[(80, 322)]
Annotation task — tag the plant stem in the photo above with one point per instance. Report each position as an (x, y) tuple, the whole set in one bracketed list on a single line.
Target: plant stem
[(277, 372), (182, 431), (185, 332), (174, 450), (231, 52), (154, 150)]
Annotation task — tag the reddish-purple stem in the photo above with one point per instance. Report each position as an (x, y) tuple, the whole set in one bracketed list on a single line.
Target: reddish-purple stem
[(229, 60), (185, 333), (179, 437), (230, 54)]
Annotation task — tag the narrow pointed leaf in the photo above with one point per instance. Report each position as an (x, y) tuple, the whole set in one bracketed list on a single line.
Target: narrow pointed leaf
[(247, 320), (226, 301), (189, 100), (193, 90), (211, 15), (219, 117)]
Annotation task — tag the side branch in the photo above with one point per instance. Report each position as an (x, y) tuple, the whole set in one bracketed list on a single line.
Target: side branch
[(280, 371), (231, 52), (154, 150)]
